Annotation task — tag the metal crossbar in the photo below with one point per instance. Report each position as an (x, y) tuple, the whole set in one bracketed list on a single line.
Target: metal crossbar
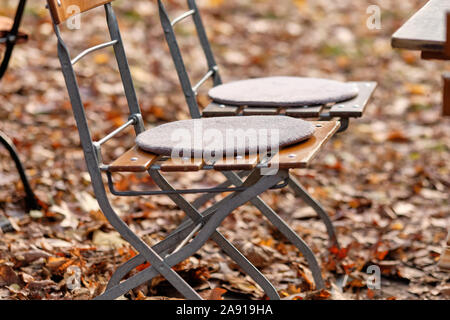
[(116, 132), (187, 191), (92, 49), (182, 17), (208, 75), (188, 238)]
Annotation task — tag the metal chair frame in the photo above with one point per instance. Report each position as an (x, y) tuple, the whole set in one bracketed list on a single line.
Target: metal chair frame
[(192, 234), (190, 93), (10, 40)]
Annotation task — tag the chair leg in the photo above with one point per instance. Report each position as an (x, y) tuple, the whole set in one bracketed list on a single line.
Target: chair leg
[(299, 192), (167, 244), (293, 237), (306, 197), (273, 217), (217, 237), (30, 199), (256, 185), (180, 232), (157, 262)]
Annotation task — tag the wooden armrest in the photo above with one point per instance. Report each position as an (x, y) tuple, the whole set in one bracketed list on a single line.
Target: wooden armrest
[(252, 111)]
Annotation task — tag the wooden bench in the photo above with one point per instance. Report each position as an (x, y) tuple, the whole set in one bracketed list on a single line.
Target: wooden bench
[(428, 31)]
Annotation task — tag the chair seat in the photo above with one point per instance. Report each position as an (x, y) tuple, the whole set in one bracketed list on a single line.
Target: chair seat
[(283, 92), (224, 136)]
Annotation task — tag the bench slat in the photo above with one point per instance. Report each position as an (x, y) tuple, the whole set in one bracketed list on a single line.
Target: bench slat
[(249, 162), (305, 112), (182, 165), (220, 110), (253, 111)]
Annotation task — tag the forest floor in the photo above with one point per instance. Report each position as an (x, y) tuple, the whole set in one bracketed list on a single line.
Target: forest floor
[(385, 181)]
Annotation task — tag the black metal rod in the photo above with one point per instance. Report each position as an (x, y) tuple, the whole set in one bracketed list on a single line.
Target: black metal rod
[(30, 199), (11, 37), (187, 191)]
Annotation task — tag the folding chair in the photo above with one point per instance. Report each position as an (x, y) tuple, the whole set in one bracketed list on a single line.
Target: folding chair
[(10, 36), (295, 97), (191, 235)]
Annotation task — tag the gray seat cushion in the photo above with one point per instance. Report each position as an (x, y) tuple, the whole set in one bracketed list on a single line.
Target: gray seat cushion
[(283, 92), (224, 136)]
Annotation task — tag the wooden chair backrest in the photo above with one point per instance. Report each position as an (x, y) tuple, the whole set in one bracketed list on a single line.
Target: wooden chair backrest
[(61, 10)]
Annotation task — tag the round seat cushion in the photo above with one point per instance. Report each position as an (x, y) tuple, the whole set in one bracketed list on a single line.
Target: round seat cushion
[(224, 136), (283, 92)]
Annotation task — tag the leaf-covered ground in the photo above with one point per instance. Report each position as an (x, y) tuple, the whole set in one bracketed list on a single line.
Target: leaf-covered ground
[(385, 181)]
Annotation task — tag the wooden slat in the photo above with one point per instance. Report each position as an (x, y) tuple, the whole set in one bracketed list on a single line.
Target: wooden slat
[(181, 165), (61, 13), (447, 35), (248, 162), (253, 111), (440, 55), (305, 112), (433, 55), (134, 160), (355, 108), (300, 155), (220, 110), (425, 31), (446, 103)]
